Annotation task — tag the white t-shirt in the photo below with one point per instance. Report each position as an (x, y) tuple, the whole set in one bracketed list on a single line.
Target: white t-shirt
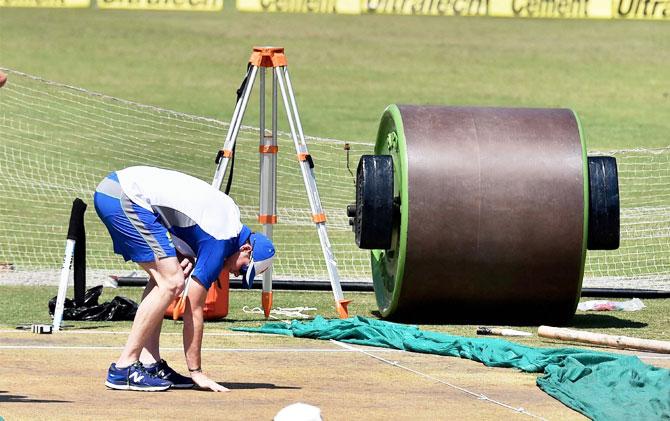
[(165, 191)]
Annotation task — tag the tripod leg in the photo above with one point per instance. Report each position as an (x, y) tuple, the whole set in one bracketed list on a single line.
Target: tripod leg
[(306, 166), (233, 129), (268, 181)]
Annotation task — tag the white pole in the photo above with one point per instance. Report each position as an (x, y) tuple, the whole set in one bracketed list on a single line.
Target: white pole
[(62, 286)]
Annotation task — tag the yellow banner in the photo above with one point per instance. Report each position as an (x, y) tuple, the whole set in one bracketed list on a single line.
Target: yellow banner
[(300, 6), (560, 9), (641, 9), (571, 9), (427, 7), (45, 3), (186, 5)]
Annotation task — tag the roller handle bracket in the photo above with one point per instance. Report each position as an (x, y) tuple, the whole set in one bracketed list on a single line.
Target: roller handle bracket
[(219, 155)]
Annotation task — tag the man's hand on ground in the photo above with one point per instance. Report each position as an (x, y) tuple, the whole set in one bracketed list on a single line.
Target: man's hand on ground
[(206, 383)]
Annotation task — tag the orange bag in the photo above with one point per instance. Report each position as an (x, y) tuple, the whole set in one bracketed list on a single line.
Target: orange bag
[(216, 302)]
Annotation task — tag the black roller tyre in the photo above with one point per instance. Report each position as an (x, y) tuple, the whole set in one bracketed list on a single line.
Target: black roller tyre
[(373, 212), (603, 204)]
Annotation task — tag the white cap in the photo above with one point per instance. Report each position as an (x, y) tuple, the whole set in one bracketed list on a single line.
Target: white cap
[(299, 412), (262, 256)]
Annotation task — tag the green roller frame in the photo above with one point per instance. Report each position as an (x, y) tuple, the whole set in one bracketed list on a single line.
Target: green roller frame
[(388, 266)]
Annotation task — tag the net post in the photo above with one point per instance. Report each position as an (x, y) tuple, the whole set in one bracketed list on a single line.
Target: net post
[(79, 263)]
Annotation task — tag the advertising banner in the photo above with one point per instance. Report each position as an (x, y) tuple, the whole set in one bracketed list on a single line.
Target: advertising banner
[(184, 5), (428, 7), (641, 9), (561, 9), (570, 9), (556, 9), (46, 3), (300, 6)]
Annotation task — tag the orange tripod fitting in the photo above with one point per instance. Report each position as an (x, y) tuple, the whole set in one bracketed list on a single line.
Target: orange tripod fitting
[(268, 57)]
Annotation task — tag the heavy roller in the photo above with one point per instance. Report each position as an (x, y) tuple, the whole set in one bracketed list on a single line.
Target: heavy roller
[(476, 213)]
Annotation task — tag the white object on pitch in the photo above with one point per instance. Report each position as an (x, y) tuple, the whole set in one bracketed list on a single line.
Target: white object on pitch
[(299, 412), (62, 284), (41, 328)]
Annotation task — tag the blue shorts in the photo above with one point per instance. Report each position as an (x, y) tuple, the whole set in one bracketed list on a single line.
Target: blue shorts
[(137, 233)]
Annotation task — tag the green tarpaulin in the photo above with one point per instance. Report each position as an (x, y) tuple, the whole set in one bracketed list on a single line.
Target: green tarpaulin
[(600, 385)]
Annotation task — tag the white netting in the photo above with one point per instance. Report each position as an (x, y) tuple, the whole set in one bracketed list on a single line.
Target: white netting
[(57, 142), (643, 258)]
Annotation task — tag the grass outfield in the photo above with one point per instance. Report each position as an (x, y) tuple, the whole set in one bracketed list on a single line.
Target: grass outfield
[(347, 69), (29, 305)]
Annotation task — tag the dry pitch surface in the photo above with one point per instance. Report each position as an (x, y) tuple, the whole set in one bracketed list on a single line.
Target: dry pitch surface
[(61, 376)]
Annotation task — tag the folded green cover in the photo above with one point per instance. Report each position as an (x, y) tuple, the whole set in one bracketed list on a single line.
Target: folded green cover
[(600, 385)]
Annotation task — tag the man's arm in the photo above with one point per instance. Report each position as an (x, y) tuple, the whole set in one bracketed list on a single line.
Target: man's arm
[(193, 327)]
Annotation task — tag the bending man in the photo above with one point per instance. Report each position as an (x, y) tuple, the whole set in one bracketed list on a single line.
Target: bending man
[(174, 226)]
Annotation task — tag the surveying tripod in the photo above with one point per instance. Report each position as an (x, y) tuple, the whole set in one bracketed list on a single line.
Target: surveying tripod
[(274, 58)]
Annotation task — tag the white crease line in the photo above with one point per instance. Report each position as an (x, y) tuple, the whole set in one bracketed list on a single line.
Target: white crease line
[(109, 332), (270, 350)]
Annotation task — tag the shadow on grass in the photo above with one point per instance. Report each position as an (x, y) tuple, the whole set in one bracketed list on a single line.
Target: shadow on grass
[(584, 321), (6, 398), (233, 321), (604, 321), (428, 319), (88, 327)]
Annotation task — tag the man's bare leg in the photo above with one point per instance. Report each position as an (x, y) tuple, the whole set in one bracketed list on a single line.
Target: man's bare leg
[(150, 355), (151, 351), (169, 278)]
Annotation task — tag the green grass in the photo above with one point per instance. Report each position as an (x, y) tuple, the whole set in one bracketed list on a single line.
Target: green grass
[(29, 305), (346, 69)]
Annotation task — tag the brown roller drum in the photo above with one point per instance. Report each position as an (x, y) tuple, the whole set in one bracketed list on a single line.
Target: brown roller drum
[(495, 213)]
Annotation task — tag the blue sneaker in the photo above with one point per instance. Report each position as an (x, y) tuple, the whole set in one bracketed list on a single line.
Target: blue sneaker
[(134, 377), (162, 370)]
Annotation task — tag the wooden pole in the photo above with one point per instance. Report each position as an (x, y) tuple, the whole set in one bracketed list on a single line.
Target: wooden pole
[(621, 342)]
